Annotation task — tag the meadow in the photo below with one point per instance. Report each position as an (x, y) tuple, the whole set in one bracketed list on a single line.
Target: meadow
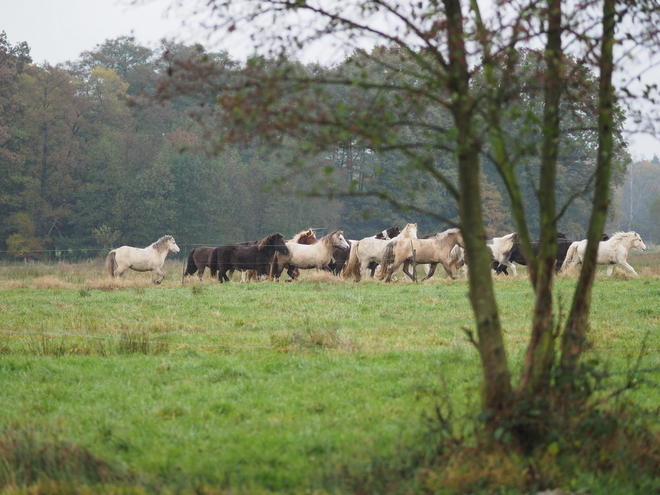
[(261, 387)]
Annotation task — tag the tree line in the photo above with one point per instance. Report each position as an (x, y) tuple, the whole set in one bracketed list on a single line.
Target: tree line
[(90, 160)]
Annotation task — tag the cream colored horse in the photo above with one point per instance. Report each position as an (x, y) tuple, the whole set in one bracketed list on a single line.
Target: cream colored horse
[(433, 250), (149, 259), (371, 249), (613, 251), (305, 256)]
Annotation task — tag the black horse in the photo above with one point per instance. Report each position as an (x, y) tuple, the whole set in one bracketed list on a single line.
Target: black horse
[(517, 256), (248, 256), (340, 256)]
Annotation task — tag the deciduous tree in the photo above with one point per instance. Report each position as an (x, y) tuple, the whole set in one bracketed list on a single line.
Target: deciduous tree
[(523, 85)]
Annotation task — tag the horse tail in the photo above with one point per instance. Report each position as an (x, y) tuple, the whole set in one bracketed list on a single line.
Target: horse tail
[(571, 255), (388, 259), (110, 263), (352, 267), (214, 265), (191, 267)]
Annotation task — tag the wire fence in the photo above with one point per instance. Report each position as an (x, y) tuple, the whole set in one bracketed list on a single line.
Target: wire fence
[(85, 253)]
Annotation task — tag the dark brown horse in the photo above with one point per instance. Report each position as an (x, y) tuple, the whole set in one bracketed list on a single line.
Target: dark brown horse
[(198, 260), (304, 237), (248, 256)]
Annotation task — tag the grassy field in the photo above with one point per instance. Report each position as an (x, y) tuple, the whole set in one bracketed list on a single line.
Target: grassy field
[(263, 386)]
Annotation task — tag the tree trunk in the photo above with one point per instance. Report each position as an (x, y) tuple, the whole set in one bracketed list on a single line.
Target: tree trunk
[(537, 366), (574, 336), (497, 380)]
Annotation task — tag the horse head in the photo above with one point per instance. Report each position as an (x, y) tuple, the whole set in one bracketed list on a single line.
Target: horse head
[(276, 241), (307, 237), (337, 240), (455, 236), (173, 247), (304, 237), (392, 232), (409, 231), (638, 242), (166, 242)]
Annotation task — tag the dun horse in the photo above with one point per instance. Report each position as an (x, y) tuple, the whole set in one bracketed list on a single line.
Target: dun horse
[(435, 249)]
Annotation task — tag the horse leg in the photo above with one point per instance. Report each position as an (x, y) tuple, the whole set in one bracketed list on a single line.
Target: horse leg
[(625, 265), (447, 268), (406, 270), (510, 265), (391, 270), (119, 270), (277, 269), (157, 276), (291, 271), (222, 273), (364, 269), (432, 271)]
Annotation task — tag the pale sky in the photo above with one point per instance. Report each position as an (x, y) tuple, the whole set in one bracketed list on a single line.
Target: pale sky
[(60, 30)]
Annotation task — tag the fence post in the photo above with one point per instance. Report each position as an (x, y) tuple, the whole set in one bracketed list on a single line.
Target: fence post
[(414, 263)]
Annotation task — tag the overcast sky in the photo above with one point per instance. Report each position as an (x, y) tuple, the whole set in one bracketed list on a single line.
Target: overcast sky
[(60, 30)]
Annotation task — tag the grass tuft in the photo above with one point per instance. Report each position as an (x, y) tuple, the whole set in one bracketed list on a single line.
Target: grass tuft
[(48, 465), (312, 339), (140, 342)]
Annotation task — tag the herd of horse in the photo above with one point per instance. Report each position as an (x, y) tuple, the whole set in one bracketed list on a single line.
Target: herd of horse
[(379, 256)]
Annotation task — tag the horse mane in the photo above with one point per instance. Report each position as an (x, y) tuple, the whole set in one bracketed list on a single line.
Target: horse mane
[(307, 233), (327, 239), (267, 240), (448, 232), (161, 243), (389, 233), (617, 237), (406, 230)]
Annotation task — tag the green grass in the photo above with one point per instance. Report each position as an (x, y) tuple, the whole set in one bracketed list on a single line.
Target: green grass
[(269, 386)]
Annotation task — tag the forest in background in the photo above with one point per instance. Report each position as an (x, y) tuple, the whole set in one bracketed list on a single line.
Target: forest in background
[(88, 161)]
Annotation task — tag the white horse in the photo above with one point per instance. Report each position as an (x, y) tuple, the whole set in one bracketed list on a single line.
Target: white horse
[(149, 259), (500, 248), (371, 249), (305, 256), (613, 251)]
